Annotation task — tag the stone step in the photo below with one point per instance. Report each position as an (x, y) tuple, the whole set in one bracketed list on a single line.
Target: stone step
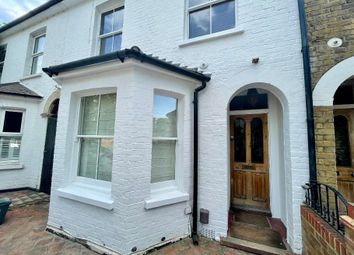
[(252, 247), (256, 234)]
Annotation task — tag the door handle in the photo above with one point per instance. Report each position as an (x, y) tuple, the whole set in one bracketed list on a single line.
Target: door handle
[(352, 174)]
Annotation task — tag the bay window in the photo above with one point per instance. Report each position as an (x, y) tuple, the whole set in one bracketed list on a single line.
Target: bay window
[(10, 135), (111, 30), (210, 16), (96, 131), (164, 139)]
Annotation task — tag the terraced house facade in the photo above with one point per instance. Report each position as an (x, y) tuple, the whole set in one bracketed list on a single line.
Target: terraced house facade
[(149, 121)]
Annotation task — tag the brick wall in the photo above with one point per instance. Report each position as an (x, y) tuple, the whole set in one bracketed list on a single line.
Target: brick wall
[(325, 145), (318, 237), (348, 222), (327, 19)]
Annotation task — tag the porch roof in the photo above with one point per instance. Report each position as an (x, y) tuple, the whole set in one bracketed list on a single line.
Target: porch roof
[(133, 53), (17, 89)]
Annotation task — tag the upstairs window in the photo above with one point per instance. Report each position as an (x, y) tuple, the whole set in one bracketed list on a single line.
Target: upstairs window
[(164, 139), (210, 16), (96, 136), (111, 30), (11, 135), (37, 54), (2, 59)]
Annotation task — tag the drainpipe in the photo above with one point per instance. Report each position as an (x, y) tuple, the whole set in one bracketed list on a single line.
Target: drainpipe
[(308, 93), (195, 165)]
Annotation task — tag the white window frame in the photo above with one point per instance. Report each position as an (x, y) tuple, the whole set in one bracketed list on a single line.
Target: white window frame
[(78, 138), (110, 34), (9, 134), (37, 54), (177, 183), (209, 4), (2, 63)]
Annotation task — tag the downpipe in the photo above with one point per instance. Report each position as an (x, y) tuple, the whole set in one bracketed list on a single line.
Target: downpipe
[(195, 237), (308, 93)]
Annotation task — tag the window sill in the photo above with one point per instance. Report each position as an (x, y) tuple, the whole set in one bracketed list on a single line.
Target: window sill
[(211, 37), (164, 197), (88, 194), (10, 166), (32, 76)]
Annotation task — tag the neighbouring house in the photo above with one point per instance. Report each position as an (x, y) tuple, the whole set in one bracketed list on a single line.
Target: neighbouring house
[(172, 114), (330, 37)]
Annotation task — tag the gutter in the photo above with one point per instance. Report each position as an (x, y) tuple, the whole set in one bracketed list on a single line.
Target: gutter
[(195, 163), (20, 95), (122, 55), (30, 14), (308, 93)]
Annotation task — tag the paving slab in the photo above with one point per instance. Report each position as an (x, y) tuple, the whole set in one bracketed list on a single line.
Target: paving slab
[(23, 233)]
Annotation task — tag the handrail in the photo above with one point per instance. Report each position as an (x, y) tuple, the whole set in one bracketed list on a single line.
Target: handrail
[(327, 202)]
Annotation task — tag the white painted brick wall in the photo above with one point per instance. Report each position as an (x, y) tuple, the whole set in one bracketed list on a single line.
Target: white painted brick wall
[(271, 32)]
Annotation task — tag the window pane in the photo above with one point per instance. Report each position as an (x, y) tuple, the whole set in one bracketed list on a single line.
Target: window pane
[(89, 112), (36, 64), (106, 45), (2, 53), (12, 122), (196, 2), (107, 22), (223, 16), (39, 44), (163, 161), (105, 160), (107, 114), (199, 23), (240, 140), (10, 148), (165, 117), (1, 68), (342, 141), (256, 141), (117, 42), (118, 19), (88, 157)]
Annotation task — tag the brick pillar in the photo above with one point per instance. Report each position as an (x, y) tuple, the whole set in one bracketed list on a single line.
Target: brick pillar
[(325, 145), (348, 222)]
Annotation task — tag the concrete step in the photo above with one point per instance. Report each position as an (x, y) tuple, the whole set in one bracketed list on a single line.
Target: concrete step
[(252, 247)]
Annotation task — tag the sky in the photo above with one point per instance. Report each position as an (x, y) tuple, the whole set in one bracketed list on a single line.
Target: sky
[(12, 9)]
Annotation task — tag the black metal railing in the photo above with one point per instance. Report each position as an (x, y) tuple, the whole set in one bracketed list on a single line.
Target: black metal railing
[(328, 203)]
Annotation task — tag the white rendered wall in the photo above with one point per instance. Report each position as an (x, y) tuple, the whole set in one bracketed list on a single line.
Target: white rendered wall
[(271, 32), (25, 177)]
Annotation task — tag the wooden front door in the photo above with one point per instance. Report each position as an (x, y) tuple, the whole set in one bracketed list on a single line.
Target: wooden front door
[(249, 162)]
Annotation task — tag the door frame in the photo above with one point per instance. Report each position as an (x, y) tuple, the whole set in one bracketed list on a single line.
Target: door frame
[(254, 113)]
